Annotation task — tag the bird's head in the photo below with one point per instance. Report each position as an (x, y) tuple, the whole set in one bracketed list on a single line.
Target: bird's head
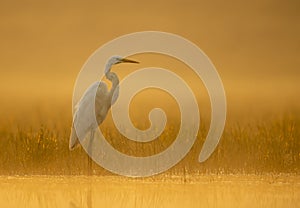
[(117, 60)]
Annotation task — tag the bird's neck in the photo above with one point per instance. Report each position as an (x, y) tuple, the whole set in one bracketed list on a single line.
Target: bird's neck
[(107, 68), (114, 80)]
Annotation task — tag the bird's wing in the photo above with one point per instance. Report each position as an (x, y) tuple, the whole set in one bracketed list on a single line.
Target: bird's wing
[(84, 114), (90, 93)]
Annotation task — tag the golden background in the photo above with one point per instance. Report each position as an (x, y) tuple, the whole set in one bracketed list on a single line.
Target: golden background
[(255, 45)]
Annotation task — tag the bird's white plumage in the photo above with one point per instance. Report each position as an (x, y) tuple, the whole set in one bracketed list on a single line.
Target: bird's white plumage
[(95, 103)]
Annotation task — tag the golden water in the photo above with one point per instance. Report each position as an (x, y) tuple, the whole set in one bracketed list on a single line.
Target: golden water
[(200, 191)]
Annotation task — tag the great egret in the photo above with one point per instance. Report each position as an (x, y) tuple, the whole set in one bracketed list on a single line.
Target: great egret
[(103, 101)]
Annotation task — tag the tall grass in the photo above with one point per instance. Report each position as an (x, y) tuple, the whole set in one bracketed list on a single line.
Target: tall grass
[(271, 146)]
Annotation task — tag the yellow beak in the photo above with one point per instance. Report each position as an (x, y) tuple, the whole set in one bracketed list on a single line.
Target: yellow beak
[(129, 61)]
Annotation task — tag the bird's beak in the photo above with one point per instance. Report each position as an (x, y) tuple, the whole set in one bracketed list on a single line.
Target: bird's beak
[(124, 60)]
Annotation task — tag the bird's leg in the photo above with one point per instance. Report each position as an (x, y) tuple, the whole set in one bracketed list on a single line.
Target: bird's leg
[(90, 152), (90, 172)]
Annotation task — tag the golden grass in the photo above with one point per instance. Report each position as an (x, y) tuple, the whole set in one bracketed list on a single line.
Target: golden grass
[(263, 146)]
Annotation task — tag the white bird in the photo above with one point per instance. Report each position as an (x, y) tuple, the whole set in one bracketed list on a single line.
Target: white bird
[(104, 99)]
